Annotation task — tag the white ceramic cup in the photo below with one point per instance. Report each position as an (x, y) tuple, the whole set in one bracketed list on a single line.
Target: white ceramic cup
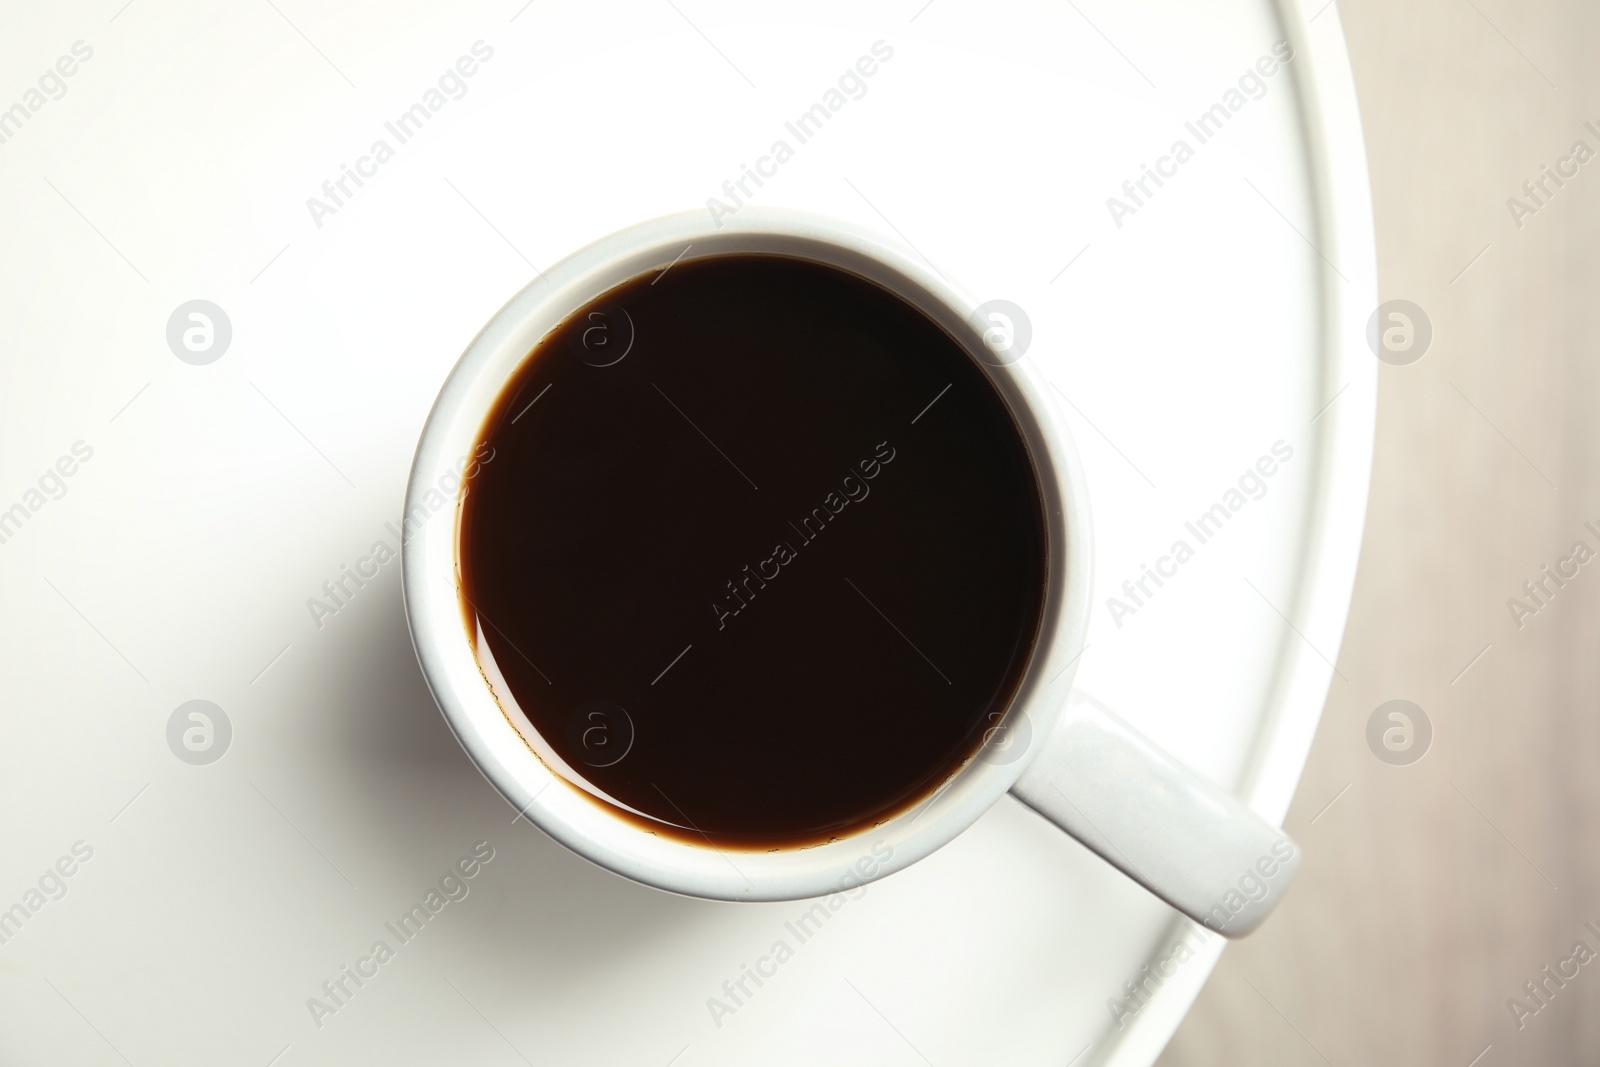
[(1059, 753)]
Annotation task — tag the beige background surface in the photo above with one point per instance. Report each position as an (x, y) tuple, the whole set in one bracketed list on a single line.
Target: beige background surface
[(1432, 892)]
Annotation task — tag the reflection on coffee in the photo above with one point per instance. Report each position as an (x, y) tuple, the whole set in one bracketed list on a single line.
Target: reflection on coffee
[(761, 554)]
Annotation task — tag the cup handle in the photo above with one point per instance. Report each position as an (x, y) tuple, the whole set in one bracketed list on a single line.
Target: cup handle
[(1190, 843)]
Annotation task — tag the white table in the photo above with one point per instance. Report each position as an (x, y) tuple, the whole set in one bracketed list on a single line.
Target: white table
[(1219, 318)]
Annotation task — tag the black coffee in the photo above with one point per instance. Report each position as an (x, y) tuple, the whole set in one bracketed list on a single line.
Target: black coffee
[(761, 553)]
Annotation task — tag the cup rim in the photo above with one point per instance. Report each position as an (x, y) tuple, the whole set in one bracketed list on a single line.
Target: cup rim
[(487, 731)]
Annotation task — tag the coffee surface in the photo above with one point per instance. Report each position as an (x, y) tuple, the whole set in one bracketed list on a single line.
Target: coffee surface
[(760, 552)]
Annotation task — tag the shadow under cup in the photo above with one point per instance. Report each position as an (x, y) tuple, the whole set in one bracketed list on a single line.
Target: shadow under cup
[(753, 553)]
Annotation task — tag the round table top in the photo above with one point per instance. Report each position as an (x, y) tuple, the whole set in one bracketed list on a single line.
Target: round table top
[(1176, 199)]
